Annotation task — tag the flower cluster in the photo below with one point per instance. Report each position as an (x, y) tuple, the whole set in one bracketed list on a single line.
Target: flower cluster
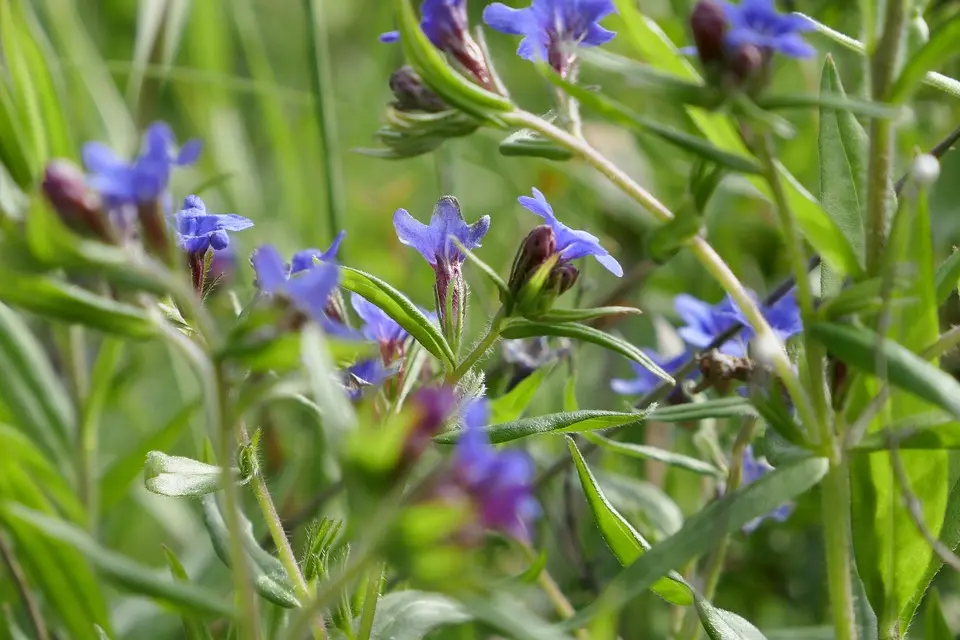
[(739, 40), (704, 324)]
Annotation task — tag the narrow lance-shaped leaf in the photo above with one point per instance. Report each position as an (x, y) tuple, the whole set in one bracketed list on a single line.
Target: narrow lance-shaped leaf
[(942, 45), (193, 628), (947, 277), (566, 422), (520, 328), (693, 411), (725, 516), (724, 625), (624, 541), (511, 405), (653, 453), (401, 309)]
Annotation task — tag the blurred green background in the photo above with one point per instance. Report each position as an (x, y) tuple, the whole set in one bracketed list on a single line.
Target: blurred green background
[(240, 75)]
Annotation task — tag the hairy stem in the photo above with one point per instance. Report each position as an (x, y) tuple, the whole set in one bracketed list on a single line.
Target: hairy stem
[(370, 599), (880, 162), (835, 499), (496, 325)]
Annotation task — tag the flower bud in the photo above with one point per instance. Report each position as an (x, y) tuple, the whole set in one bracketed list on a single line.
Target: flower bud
[(562, 278), (412, 94), (450, 292), (178, 476), (153, 231), (434, 406), (709, 25), (65, 188), (536, 248), (745, 62)]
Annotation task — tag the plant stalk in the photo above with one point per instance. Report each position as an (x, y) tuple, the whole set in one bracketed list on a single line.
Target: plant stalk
[(370, 600), (835, 499), (496, 326)]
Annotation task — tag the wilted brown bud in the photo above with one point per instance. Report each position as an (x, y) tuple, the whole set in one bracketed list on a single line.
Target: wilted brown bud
[(412, 94), (745, 62), (562, 278), (709, 25)]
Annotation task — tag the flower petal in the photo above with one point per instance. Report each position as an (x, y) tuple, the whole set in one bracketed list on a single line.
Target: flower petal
[(610, 264), (506, 20), (190, 152), (331, 253), (99, 158), (597, 35), (414, 233), (390, 37), (303, 260), (310, 290), (233, 222), (269, 267)]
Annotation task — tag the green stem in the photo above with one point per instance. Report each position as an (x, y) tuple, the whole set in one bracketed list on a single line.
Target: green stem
[(220, 416), (880, 161), (370, 599), (87, 436), (280, 540), (711, 574), (700, 248), (820, 428), (326, 119), (553, 592), (496, 326), (835, 499)]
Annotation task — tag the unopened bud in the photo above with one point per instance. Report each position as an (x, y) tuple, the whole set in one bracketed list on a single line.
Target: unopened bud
[(178, 476), (434, 406), (65, 188), (709, 26), (745, 62), (562, 278), (536, 248), (926, 170), (450, 291), (412, 94)]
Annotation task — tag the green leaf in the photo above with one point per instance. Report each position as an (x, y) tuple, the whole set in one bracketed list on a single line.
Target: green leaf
[(64, 302), (193, 629), (32, 390), (401, 309), (124, 572), (624, 116), (935, 623), (530, 144), (521, 328), (821, 232), (39, 469), (651, 80), (555, 316), (693, 411), (411, 615), (572, 422), (666, 240), (116, 479), (724, 625), (937, 80), (653, 453), (624, 541), (861, 298), (727, 515), (904, 369), (833, 100), (270, 578), (942, 45), (427, 61), (510, 407), (842, 144), (947, 277), (176, 476), (505, 613)]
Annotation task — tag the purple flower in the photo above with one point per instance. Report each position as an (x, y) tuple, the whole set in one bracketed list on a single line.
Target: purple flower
[(758, 23), (435, 241), (198, 230), (443, 21), (144, 179), (645, 380), (571, 244), (308, 292), (752, 470), (499, 482), (306, 259), (552, 29), (705, 322)]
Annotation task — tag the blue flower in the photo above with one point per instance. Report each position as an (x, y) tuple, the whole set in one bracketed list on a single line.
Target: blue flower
[(570, 243), (704, 322), (752, 470), (435, 242), (378, 326), (645, 380), (306, 259), (443, 21), (367, 374), (308, 292), (499, 482), (552, 29), (198, 230), (145, 179), (758, 23)]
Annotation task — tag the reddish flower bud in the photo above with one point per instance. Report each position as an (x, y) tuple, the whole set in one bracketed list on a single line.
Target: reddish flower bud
[(562, 278), (709, 25), (745, 62), (536, 248), (65, 188), (412, 94)]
